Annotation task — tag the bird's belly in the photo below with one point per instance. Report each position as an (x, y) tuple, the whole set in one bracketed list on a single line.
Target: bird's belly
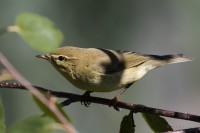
[(103, 83), (107, 82), (133, 74)]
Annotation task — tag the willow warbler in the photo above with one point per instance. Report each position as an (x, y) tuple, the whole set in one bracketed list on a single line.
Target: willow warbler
[(104, 70)]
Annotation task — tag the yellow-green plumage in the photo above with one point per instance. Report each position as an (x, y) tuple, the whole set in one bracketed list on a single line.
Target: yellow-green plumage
[(103, 70)]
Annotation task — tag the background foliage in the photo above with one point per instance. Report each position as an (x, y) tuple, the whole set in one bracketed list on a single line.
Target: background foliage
[(152, 27)]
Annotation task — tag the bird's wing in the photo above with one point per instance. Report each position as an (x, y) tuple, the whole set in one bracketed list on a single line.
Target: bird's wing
[(111, 61), (133, 59)]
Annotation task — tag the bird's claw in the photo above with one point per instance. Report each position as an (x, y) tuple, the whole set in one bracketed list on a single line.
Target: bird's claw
[(113, 103), (85, 103), (85, 99)]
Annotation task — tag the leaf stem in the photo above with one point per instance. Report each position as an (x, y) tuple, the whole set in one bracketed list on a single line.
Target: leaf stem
[(13, 28)]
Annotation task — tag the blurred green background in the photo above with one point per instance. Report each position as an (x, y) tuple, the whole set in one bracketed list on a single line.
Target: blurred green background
[(151, 27)]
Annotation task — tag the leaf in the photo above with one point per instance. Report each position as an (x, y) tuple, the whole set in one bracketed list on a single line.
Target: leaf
[(2, 118), (157, 123), (127, 124), (49, 112), (5, 75), (38, 31), (34, 124)]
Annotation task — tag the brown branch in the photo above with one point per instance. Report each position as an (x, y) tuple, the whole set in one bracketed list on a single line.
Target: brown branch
[(189, 130), (134, 107)]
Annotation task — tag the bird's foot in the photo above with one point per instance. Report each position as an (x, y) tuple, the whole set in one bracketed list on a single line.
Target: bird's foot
[(85, 99), (113, 103)]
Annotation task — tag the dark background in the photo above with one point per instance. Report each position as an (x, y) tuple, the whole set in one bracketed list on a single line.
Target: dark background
[(151, 27)]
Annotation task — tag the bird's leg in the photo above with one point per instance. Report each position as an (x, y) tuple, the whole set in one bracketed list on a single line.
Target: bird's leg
[(85, 98), (116, 98)]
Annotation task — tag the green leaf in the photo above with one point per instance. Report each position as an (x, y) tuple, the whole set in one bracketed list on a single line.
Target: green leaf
[(39, 32), (157, 123), (127, 124), (34, 124), (2, 118), (49, 113)]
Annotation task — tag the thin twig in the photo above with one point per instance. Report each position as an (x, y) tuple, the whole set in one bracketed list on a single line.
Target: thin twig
[(52, 107), (189, 130), (134, 107)]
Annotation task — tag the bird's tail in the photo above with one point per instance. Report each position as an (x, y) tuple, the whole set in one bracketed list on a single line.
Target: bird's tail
[(160, 60)]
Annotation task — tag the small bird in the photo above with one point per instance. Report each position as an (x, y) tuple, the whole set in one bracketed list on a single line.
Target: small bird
[(105, 70)]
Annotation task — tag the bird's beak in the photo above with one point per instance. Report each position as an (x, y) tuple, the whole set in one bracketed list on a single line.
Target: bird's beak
[(46, 56)]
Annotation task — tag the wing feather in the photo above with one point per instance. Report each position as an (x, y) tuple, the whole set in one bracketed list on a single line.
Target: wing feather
[(111, 61)]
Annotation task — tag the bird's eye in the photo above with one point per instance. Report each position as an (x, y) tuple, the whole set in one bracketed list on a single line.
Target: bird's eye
[(61, 58)]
